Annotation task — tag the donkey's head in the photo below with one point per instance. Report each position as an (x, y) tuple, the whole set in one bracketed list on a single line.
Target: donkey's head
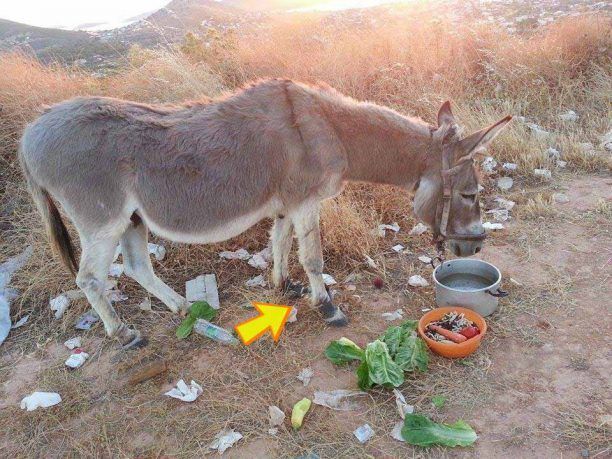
[(447, 194)]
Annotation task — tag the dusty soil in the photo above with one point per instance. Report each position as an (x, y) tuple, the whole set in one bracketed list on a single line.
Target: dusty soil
[(538, 387)]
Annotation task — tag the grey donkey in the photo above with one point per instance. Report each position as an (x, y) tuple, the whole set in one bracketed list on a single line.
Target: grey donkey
[(204, 172)]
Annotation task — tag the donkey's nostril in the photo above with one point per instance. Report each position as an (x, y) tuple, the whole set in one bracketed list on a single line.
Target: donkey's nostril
[(477, 250)]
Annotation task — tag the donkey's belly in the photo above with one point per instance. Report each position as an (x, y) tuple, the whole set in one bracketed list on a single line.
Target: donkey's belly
[(211, 232)]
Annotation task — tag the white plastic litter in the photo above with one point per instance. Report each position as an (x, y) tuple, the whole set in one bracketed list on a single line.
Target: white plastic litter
[(145, 305), (240, 254), (305, 376), (364, 433), (569, 116), (40, 400), (370, 262), (277, 417), (340, 399), (87, 320), (382, 229), (425, 259), (398, 314), (225, 439), (537, 130), (273, 430), (403, 408), (488, 226), (418, 281), (505, 203), (560, 198), (203, 288), (158, 251), (328, 279), (77, 360), (396, 433), (21, 322), (292, 315), (59, 304), (500, 215), (184, 392), (418, 229), (397, 248), (116, 270), (488, 165), (553, 154), (544, 173), (257, 281), (561, 164), (7, 269), (258, 261), (73, 343), (505, 183), (510, 166)]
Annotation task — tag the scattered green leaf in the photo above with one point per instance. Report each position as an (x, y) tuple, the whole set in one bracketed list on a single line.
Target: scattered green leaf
[(363, 376), (381, 367), (198, 310), (421, 431), (343, 351), (410, 325), (438, 401), (393, 338), (412, 353)]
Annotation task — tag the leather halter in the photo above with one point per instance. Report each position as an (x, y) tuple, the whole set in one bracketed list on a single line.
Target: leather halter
[(444, 205)]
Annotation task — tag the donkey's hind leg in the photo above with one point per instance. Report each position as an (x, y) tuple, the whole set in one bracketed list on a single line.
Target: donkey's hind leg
[(282, 240), (96, 257), (306, 221), (138, 266)]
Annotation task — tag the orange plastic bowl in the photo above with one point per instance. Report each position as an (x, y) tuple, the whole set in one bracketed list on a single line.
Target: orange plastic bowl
[(453, 351)]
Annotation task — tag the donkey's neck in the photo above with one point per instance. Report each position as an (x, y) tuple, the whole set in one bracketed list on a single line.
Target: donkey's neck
[(382, 146)]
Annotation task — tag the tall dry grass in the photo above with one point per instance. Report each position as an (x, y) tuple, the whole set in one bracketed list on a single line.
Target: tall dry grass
[(406, 60)]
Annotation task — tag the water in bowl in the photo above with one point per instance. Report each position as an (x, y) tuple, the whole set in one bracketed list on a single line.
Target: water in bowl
[(466, 282)]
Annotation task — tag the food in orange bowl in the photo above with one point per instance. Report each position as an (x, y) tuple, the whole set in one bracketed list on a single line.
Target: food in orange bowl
[(453, 350)]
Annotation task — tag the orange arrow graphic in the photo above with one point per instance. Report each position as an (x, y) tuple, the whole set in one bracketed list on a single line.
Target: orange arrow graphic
[(271, 317)]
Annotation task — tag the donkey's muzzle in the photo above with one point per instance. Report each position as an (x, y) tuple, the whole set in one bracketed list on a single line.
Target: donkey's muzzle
[(465, 248)]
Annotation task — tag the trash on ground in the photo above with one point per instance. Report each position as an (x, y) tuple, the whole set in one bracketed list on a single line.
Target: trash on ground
[(425, 259), (398, 314), (505, 183), (40, 400), (87, 320), (260, 259), (561, 164), (371, 263), (225, 439), (257, 281), (421, 431), (553, 154), (488, 165), (403, 408), (116, 269), (7, 269), (569, 116), (21, 322), (587, 147), (515, 282), (214, 332), (145, 305), (378, 283), (396, 433), (510, 166), (500, 215), (328, 279), (203, 288), (606, 141), (77, 359), (146, 372), (537, 130), (339, 400), (292, 315), (305, 376), (398, 248), (198, 310), (544, 173), (438, 401), (364, 433), (158, 251), (276, 415), (453, 327), (184, 392), (418, 229), (59, 304), (560, 198), (73, 343), (382, 229), (488, 226), (273, 430), (240, 254), (417, 281), (299, 411), (505, 203)]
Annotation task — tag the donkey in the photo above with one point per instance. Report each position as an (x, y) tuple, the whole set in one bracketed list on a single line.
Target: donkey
[(205, 172)]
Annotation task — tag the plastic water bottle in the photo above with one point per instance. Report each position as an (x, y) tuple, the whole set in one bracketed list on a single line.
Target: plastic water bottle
[(221, 335)]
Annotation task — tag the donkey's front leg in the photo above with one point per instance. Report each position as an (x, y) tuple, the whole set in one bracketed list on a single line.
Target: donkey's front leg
[(306, 221)]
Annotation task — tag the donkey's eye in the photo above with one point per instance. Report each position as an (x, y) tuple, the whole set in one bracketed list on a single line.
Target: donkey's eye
[(469, 196)]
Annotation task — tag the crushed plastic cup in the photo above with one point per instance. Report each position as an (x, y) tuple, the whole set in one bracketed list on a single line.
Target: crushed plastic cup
[(40, 400)]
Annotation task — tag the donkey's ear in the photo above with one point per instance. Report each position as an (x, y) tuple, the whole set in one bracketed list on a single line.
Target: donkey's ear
[(445, 115), (480, 140)]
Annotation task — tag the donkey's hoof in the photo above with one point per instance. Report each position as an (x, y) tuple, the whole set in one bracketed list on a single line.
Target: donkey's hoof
[(332, 314), (130, 338), (294, 289)]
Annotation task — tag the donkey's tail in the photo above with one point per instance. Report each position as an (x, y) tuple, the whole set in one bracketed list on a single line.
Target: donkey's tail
[(56, 230)]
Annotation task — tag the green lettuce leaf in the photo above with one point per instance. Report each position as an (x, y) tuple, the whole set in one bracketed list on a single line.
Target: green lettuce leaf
[(410, 325), (186, 327), (363, 376), (393, 338), (381, 367), (421, 431), (343, 351), (412, 353), (198, 310)]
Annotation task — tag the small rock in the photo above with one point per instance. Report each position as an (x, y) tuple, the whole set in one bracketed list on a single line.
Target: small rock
[(537, 130), (499, 215), (510, 166), (560, 198), (73, 343), (561, 164), (145, 305), (505, 183), (305, 376), (543, 173), (398, 314), (277, 416), (329, 280), (488, 226), (425, 259), (569, 116), (382, 229), (488, 165), (397, 248), (553, 154), (505, 203), (257, 281), (417, 281)]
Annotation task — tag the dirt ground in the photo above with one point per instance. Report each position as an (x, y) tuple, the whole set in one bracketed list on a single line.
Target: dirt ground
[(539, 386)]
